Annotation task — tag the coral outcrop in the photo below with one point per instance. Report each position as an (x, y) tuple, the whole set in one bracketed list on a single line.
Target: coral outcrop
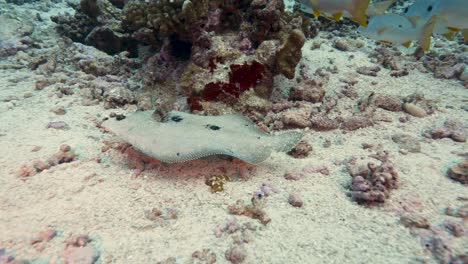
[(214, 51)]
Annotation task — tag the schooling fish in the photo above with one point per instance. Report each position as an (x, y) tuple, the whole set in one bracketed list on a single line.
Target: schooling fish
[(335, 9), (421, 11), (379, 8), (452, 15), (397, 29), (390, 28)]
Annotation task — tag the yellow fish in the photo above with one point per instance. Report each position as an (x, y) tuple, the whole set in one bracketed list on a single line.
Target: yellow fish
[(398, 30), (336, 8), (421, 11), (379, 8), (452, 15), (390, 28)]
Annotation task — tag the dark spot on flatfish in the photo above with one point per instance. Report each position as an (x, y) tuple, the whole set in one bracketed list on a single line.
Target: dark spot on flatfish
[(177, 119), (119, 117), (213, 127), (429, 8)]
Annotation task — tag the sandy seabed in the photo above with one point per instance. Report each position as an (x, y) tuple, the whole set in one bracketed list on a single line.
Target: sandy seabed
[(97, 194)]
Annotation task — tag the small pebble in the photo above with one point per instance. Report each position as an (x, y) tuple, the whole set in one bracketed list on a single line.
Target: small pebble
[(414, 220), (295, 200), (459, 172), (44, 236), (58, 125), (36, 149), (407, 142), (342, 44), (83, 255), (456, 228), (58, 110), (414, 110), (65, 148), (236, 254)]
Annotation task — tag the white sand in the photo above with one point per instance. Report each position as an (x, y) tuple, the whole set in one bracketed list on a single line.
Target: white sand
[(110, 205)]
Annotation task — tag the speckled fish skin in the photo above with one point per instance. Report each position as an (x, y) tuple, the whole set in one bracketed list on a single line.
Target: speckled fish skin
[(187, 137)]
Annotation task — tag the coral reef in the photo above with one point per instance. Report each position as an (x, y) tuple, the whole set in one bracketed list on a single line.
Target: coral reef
[(190, 44)]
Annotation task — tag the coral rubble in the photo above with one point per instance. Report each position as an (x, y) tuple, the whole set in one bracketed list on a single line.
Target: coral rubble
[(372, 184)]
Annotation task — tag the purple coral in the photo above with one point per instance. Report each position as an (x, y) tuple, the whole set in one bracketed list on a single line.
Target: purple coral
[(372, 184)]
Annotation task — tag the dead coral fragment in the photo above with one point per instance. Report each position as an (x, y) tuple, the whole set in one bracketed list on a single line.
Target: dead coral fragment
[(459, 172), (413, 220), (301, 150), (253, 210), (290, 54), (295, 200), (308, 90), (236, 254), (44, 236), (451, 129), (369, 71), (388, 102), (64, 155), (205, 256), (356, 122), (372, 184)]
